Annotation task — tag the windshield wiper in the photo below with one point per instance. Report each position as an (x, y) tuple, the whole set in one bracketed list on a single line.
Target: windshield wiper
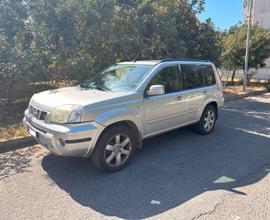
[(82, 85), (85, 86), (102, 88)]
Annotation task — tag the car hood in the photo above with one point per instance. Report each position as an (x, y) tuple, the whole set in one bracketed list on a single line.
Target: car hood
[(72, 95)]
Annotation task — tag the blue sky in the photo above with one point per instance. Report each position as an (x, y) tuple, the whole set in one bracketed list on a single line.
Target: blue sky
[(224, 13)]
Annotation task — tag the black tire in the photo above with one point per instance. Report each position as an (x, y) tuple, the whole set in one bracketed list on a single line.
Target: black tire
[(200, 127), (101, 153)]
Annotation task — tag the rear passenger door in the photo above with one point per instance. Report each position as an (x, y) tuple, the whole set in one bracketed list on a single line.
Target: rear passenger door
[(194, 92)]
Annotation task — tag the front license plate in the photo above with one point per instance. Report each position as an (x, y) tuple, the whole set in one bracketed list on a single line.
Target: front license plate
[(33, 133)]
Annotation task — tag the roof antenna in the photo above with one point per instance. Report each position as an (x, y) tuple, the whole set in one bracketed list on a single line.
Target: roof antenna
[(137, 56)]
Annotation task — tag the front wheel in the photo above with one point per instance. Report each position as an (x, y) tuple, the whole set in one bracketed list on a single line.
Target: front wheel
[(114, 149), (208, 120)]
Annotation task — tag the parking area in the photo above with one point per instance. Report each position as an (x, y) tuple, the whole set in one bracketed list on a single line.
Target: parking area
[(178, 175)]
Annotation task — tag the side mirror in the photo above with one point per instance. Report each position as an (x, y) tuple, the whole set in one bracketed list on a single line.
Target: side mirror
[(156, 90)]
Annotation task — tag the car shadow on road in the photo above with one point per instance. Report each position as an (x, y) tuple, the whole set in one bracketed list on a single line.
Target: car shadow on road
[(175, 167)]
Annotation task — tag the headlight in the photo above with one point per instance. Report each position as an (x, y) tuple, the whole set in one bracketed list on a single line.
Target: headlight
[(67, 114)]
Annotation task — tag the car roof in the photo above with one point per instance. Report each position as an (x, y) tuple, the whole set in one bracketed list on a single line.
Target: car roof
[(156, 62), (143, 62)]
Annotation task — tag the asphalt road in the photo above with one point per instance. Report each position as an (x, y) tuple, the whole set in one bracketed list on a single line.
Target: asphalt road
[(178, 175)]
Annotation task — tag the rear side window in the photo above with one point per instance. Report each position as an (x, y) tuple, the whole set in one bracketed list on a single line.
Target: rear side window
[(169, 78), (192, 76), (209, 76)]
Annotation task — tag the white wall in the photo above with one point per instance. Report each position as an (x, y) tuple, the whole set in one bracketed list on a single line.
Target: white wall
[(262, 13), (261, 16)]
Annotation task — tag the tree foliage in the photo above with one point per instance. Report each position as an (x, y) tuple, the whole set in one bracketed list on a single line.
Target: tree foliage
[(76, 38), (234, 47)]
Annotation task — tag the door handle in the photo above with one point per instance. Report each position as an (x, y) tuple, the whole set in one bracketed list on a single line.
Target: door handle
[(179, 98), (204, 92)]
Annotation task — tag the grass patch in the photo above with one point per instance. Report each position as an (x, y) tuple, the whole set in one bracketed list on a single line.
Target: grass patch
[(12, 132), (238, 90)]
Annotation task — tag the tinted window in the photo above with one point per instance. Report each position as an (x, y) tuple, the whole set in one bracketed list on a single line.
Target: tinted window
[(192, 76), (169, 78), (209, 76)]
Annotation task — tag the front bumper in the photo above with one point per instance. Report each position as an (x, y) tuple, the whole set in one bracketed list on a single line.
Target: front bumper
[(65, 140)]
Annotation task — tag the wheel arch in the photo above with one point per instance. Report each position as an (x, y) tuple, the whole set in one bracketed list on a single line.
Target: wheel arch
[(211, 102), (127, 123), (130, 125)]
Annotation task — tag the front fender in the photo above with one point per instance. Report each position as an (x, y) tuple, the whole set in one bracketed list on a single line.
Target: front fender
[(121, 114)]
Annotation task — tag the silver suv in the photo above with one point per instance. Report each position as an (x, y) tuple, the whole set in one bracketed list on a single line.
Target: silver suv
[(107, 117)]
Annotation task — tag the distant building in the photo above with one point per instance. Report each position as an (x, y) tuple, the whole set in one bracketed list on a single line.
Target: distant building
[(260, 15), (260, 12)]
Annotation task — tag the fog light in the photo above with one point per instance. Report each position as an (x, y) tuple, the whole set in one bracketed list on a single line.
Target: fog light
[(61, 142)]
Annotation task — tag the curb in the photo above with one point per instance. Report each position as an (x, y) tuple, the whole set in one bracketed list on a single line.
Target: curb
[(236, 97), (21, 143), (16, 144)]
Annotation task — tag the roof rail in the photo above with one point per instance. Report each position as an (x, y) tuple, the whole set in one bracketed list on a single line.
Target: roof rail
[(183, 59)]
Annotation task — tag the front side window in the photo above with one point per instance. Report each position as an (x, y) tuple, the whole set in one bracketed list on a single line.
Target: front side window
[(119, 78), (192, 76), (209, 76), (169, 78)]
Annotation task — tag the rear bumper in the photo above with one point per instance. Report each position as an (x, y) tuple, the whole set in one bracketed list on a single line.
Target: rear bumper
[(65, 140), (221, 102)]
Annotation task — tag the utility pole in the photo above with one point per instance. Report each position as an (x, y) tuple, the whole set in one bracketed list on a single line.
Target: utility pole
[(250, 3)]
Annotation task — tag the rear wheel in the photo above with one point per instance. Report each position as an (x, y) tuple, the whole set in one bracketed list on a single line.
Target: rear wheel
[(208, 120), (114, 149)]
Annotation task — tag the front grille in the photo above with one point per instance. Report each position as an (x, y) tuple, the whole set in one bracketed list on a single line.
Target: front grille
[(37, 113)]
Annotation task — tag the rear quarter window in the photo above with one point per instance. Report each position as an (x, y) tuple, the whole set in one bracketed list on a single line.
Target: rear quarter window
[(209, 75)]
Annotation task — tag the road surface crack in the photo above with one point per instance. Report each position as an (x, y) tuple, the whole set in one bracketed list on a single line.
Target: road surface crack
[(208, 212)]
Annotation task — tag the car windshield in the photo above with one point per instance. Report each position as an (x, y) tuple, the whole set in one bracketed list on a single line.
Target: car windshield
[(119, 78)]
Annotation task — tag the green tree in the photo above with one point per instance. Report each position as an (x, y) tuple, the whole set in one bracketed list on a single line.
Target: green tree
[(209, 42), (234, 48), (44, 39)]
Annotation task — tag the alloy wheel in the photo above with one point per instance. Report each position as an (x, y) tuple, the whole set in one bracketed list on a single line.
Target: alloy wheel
[(209, 120), (118, 150)]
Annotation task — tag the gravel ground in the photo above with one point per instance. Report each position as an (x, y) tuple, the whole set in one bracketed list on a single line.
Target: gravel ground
[(178, 175)]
